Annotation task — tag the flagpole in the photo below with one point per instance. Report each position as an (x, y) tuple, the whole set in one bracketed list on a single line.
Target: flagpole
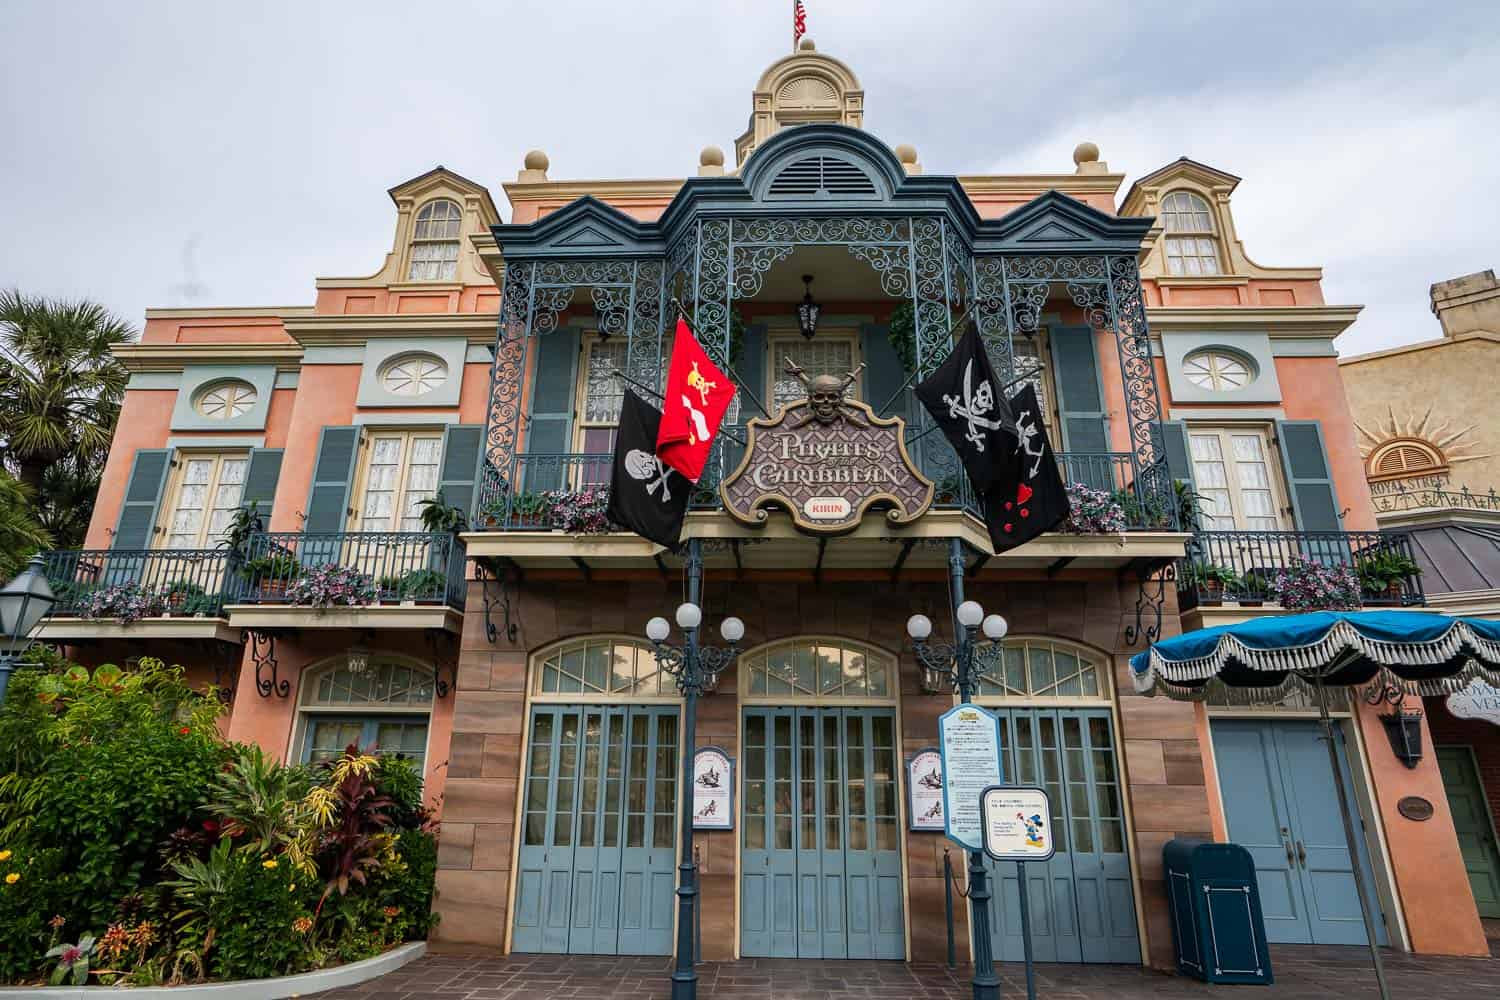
[(657, 395), (794, 27), (913, 376), (682, 312)]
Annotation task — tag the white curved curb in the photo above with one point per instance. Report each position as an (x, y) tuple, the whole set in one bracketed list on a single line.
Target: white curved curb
[(246, 989)]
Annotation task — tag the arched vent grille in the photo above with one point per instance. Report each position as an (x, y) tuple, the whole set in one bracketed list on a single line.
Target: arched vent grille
[(1407, 457), (821, 175)]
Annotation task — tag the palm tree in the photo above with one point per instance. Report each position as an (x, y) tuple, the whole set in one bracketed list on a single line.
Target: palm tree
[(60, 387), (20, 533)]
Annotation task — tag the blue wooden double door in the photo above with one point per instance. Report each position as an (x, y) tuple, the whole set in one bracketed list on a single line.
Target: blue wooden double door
[(1082, 902), (1281, 804), (820, 854), (598, 842)]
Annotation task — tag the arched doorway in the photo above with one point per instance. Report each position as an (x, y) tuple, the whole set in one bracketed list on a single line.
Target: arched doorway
[(595, 869), (820, 842)]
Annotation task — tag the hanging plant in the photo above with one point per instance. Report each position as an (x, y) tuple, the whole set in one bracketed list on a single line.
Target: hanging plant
[(903, 335)]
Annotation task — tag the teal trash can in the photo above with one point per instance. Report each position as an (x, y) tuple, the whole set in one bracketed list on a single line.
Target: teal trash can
[(1217, 923)]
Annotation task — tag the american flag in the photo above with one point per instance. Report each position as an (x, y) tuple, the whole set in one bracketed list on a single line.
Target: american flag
[(799, 22)]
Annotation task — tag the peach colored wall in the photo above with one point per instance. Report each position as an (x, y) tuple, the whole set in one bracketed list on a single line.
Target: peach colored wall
[(270, 722), (1256, 292), (145, 416), (372, 300), (325, 395), (215, 330), (474, 399), (1430, 875), (1311, 389)]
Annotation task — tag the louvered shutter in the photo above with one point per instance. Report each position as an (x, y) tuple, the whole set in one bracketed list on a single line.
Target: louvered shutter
[(143, 490), (462, 444), (262, 472), (1179, 459), (1304, 459), (883, 373), (333, 475), (1085, 428), (552, 407)]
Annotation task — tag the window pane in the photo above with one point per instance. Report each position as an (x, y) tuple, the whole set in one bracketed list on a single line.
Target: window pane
[(816, 357)]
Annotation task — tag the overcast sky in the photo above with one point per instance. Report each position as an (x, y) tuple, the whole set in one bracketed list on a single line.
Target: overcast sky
[(207, 153)]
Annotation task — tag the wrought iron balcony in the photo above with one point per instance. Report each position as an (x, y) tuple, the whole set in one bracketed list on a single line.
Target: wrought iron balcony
[(568, 491), (1299, 569), (351, 569), (138, 583)]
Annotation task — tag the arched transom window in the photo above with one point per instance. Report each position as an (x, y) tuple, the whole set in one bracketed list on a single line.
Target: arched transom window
[(818, 668), (1046, 668), (601, 665), (1191, 247), (383, 707), (434, 244)]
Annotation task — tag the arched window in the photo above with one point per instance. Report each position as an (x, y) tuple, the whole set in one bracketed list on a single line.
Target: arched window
[(434, 242), (600, 665), (1218, 370), (1191, 246), (818, 668), (1039, 669), (384, 707), (1405, 457)]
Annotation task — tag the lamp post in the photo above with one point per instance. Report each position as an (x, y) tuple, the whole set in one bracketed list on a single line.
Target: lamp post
[(696, 668), (24, 602), (960, 663)]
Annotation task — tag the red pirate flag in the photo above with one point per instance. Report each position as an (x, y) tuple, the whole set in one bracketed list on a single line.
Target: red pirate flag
[(697, 396)]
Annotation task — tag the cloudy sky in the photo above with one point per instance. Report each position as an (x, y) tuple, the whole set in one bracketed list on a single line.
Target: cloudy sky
[(207, 153)]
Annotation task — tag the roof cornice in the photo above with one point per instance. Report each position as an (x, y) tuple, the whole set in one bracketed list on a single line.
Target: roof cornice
[(231, 312), (1422, 345), (1035, 184), (335, 331), (1302, 321), (173, 357)]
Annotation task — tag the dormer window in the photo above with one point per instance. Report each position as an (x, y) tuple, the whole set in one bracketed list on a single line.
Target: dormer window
[(1191, 246), (434, 243)]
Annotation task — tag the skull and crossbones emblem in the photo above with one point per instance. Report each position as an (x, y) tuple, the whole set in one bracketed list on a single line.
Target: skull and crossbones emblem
[(974, 408), (1031, 440), (646, 467), (825, 394)]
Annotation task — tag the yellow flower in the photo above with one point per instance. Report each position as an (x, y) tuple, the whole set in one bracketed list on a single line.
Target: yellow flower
[(4, 855), (292, 887), (12, 878), (271, 863)]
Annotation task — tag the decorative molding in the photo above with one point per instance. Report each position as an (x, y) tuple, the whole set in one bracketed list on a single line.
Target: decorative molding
[(225, 441), (195, 378), (231, 312), (451, 351), (287, 380), (1227, 413), (385, 418), (154, 380), (1328, 321), (1253, 345), (332, 331), (175, 357), (1421, 345)]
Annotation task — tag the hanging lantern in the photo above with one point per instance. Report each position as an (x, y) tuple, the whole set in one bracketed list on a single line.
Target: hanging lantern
[(358, 660), (807, 310), (1403, 727)]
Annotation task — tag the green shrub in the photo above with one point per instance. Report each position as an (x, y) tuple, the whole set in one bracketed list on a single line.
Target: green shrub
[(400, 780), (27, 904), (256, 918)]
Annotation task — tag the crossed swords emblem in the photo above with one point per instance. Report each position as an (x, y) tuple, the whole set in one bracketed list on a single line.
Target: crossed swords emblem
[(974, 408)]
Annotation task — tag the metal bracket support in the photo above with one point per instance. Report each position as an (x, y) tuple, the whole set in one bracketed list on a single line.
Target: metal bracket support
[(263, 655), (487, 575)]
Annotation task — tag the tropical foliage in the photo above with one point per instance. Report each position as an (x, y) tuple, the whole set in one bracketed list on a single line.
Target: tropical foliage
[(60, 393), (21, 533), (138, 847)]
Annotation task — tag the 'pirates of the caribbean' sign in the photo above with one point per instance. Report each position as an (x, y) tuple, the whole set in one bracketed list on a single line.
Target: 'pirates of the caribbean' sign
[(826, 460)]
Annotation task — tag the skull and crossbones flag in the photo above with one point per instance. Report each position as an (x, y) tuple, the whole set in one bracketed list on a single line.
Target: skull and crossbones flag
[(645, 494), (1028, 497), (697, 397), (968, 403)]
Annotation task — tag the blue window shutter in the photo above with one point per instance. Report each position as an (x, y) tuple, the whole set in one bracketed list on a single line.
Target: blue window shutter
[(752, 368), (460, 468), (1309, 481), (1080, 399), (552, 406), (148, 479), (261, 475), (1174, 445), (883, 373), (333, 476)]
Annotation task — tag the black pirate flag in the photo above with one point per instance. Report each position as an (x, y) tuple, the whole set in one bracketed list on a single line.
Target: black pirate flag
[(968, 403), (1028, 497), (645, 495)]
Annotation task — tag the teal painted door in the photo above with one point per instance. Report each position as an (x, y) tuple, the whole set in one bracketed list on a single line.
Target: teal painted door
[(820, 835), (1281, 804), (1081, 902), (1472, 821), (598, 837)]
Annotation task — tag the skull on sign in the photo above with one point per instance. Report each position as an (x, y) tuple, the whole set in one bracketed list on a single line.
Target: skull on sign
[(825, 394)]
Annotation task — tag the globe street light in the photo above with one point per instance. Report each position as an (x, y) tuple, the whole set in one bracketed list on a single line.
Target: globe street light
[(960, 664), (696, 669), (24, 602)]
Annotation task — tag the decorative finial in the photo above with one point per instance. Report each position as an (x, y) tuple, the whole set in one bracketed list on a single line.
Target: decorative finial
[(806, 45), (534, 166), (907, 154), (1086, 159), (711, 162)]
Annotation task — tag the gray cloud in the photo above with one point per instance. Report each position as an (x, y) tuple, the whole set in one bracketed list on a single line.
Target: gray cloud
[(196, 153)]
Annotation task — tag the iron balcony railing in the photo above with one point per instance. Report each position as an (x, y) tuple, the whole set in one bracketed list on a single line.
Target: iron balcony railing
[(352, 568), (569, 491), (137, 583), (1302, 569)]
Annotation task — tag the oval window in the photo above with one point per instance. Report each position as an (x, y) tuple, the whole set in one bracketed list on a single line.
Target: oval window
[(1218, 371), (226, 400), (413, 375)]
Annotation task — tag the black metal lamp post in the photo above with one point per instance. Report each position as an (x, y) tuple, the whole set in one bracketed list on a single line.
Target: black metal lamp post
[(960, 664), (696, 668), (808, 310), (24, 602)]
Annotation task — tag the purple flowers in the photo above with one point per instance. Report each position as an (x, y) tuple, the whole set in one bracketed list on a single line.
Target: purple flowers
[(128, 602), (580, 512), (1094, 512), (331, 586), (1312, 586)]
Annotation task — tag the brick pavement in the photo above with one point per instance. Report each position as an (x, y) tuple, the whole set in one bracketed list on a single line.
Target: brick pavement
[(1302, 973)]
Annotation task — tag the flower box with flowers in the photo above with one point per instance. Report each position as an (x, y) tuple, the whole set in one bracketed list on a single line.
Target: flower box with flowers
[(129, 602), (1093, 512), (332, 586), (578, 512), (1306, 585)]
